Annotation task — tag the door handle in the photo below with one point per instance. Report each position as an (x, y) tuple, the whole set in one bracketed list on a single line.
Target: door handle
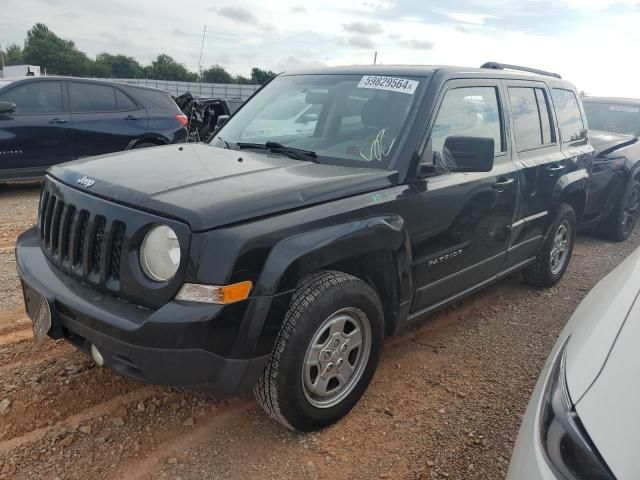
[(131, 117), (556, 168), (502, 184), (58, 120)]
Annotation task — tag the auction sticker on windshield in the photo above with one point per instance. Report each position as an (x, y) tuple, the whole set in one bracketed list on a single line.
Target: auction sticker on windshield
[(393, 84)]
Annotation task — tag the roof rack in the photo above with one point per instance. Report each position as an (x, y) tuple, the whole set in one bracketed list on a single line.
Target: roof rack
[(506, 66)]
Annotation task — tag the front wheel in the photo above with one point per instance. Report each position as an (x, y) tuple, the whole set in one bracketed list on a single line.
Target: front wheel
[(326, 352), (554, 258)]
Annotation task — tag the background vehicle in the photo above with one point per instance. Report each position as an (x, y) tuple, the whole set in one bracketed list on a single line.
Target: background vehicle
[(583, 414), (614, 193), (58, 119), (202, 115), (282, 258)]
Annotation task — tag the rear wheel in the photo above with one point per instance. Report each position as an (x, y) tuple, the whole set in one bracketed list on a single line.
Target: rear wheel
[(622, 220), (326, 352), (556, 252)]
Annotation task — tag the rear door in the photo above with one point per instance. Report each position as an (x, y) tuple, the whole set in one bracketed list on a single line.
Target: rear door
[(459, 222), (105, 119), (37, 135), (537, 152)]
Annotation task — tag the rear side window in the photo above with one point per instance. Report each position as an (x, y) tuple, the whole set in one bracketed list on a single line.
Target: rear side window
[(468, 111), (530, 117), (124, 102), (154, 99), (572, 127), (87, 97), (35, 98)]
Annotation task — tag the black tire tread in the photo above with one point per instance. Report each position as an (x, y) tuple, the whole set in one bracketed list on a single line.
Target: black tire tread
[(610, 227), (536, 274), (310, 288)]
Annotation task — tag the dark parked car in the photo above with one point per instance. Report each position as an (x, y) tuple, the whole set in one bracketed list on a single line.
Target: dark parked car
[(279, 257), (50, 120), (614, 194)]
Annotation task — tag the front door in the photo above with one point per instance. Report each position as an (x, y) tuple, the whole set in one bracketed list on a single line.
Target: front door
[(460, 222), (37, 135)]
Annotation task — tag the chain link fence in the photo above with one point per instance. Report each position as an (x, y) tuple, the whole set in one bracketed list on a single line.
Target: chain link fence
[(233, 93)]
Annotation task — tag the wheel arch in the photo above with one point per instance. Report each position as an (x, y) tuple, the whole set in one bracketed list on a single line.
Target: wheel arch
[(572, 189), (376, 250), (155, 139)]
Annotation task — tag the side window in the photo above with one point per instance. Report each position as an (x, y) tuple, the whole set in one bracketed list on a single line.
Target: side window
[(87, 97), (124, 102), (570, 121), (530, 117), (468, 111), (548, 134), (36, 98)]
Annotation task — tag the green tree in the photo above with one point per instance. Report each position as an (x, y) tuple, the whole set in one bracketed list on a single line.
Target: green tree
[(166, 68), (44, 48), (118, 66), (260, 76), (13, 55), (243, 80), (216, 74)]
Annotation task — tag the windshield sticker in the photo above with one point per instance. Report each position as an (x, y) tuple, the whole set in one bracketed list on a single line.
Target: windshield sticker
[(392, 84), (623, 108)]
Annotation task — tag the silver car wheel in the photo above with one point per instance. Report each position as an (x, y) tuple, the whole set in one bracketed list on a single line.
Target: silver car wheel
[(336, 357), (560, 247)]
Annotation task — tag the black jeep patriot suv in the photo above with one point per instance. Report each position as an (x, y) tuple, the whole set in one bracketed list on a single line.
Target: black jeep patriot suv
[(334, 208)]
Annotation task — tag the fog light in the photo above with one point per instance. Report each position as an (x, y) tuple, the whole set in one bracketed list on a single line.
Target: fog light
[(193, 292), (97, 356)]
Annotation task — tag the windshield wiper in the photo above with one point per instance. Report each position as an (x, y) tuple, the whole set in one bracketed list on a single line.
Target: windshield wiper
[(291, 152)]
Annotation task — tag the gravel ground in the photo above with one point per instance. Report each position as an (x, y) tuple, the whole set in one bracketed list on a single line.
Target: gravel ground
[(446, 401)]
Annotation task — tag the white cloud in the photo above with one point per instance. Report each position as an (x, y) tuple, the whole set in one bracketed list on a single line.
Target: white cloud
[(593, 47), (472, 18)]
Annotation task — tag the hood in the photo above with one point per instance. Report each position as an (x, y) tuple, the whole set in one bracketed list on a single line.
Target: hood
[(596, 323), (609, 408), (607, 142), (208, 187)]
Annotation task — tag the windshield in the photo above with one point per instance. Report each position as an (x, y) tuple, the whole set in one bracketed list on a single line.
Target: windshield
[(610, 117), (344, 119)]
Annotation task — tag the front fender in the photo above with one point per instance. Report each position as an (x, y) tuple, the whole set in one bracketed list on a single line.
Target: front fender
[(296, 256), (293, 257)]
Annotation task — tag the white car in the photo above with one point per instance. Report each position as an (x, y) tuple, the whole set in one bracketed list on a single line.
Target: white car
[(583, 421)]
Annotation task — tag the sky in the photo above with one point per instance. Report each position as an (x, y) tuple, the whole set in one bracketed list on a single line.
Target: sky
[(589, 42)]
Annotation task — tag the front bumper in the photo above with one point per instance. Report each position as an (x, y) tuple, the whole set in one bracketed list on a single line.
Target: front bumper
[(177, 344)]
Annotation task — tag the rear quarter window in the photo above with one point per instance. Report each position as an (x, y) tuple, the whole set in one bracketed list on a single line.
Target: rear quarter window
[(570, 121)]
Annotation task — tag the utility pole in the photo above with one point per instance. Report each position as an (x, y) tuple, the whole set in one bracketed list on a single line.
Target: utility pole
[(375, 57), (2, 57), (201, 49)]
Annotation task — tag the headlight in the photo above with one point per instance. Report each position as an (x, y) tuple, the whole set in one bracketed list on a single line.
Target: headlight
[(160, 253), (567, 446)]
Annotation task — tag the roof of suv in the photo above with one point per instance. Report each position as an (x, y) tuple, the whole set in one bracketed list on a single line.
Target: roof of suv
[(429, 70), (618, 100), (90, 80)]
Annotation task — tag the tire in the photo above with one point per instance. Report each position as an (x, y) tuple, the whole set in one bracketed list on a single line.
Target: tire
[(144, 145), (326, 312), (548, 267), (621, 221)]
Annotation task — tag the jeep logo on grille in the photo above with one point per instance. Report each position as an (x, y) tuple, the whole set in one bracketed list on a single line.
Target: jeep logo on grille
[(85, 182)]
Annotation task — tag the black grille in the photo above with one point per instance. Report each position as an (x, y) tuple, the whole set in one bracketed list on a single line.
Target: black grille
[(77, 241), (116, 251)]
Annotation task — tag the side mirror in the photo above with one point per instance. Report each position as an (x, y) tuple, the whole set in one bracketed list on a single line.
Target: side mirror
[(222, 119), (7, 107), (469, 154)]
